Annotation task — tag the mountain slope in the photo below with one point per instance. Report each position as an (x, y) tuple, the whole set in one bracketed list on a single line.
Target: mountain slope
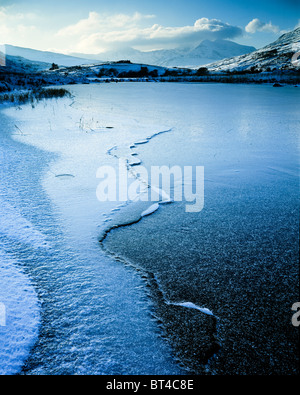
[(275, 56), (22, 65), (45, 57)]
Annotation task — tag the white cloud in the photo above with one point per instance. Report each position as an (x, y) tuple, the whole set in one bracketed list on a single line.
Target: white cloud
[(258, 26), (98, 33), (16, 26), (101, 22)]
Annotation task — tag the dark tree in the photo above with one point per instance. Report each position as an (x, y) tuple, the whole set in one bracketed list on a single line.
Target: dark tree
[(54, 66), (202, 71)]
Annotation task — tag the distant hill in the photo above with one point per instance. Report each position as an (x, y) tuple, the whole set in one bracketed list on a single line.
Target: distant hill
[(22, 65), (45, 57)]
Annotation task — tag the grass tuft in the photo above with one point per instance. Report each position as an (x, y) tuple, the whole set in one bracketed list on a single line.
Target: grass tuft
[(34, 96)]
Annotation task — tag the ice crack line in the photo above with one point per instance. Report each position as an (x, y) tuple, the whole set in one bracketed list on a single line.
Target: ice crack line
[(165, 198)]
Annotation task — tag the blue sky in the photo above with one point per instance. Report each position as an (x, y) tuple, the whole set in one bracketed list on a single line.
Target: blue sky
[(94, 26)]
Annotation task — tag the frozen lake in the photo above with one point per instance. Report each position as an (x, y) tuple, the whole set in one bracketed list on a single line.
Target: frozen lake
[(230, 271)]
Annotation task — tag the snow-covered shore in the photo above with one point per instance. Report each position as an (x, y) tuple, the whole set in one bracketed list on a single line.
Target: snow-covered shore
[(92, 315)]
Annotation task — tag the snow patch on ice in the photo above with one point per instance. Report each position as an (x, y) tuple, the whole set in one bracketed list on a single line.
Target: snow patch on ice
[(150, 210), (15, 227), (191, 305), (19, 329)]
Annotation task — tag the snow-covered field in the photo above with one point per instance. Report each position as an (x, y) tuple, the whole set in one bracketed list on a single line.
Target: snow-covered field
[(92, 313)]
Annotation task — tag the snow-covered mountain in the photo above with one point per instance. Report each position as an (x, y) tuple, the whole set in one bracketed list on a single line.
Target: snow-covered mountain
[(45, 57), (206, 52), (275, 56), (217, 50)]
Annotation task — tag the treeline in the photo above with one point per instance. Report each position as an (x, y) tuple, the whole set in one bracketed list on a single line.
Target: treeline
[(114, 73), (144, 72)]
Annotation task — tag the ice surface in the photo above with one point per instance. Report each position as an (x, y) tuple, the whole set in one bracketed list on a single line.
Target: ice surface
[(238, 257), (102, 304)]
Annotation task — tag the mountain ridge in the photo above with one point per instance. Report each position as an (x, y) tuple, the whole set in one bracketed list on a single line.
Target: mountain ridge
[(277, 55), (205, 52)]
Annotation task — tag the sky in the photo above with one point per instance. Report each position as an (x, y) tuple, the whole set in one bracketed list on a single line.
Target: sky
[(95, 26)]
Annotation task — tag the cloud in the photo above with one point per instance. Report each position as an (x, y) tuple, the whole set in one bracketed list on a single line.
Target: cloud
[(101, 22), (16, 25), (258, 26), (98, 32)]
